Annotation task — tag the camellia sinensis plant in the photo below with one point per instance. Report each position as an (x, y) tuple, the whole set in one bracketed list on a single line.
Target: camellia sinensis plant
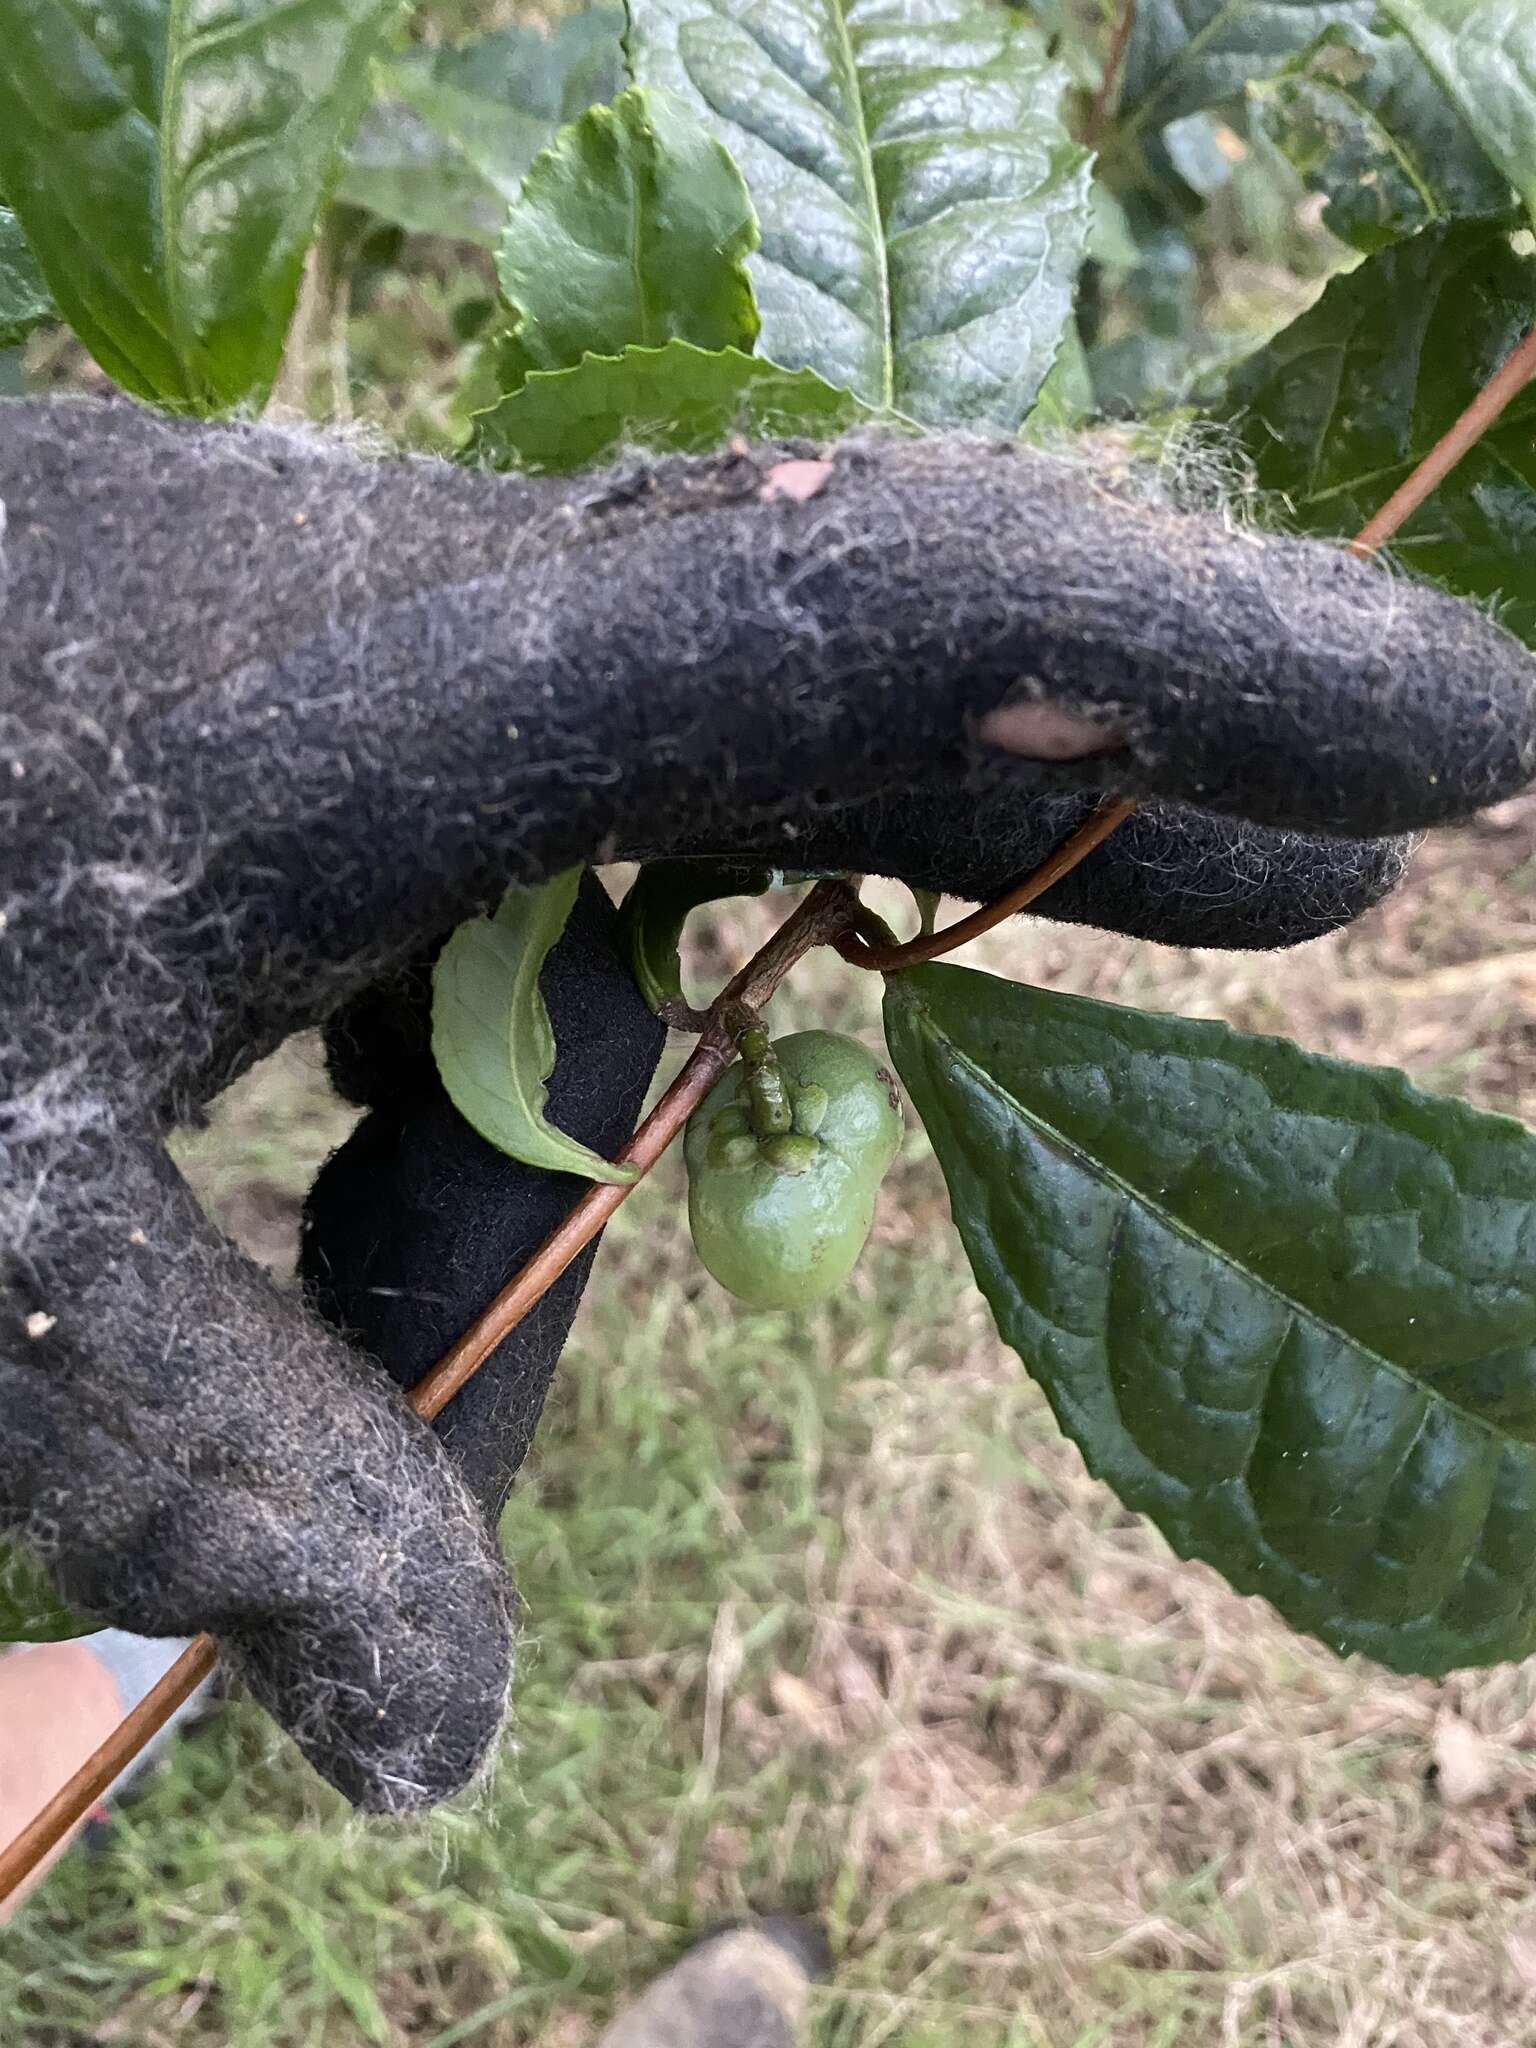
[(1284, 1304)]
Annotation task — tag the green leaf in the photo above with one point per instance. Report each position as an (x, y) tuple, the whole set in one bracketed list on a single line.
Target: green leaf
[(452, 141), (658, 905), (24, 300), (30, 1609), (405, 172), (1285, 1306), (923, 206), (1484, 54), (677, 397), (501, 96), (1338, 409), (632, 230), (1065, 400), (166, 159), (1365, 122), (551, 70), (491, 1035), (1187, 54), (1076, 36)]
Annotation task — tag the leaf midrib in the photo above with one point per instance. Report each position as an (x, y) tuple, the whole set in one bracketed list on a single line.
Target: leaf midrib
[(170, 216), (1099, 1169), (866, 157), (1390, 145), (1192, 47), (1413, 28)]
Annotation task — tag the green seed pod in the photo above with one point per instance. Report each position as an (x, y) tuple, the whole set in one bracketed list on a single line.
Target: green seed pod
[(785, 1227)]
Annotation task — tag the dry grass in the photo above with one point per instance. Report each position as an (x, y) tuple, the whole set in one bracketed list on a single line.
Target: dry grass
[(827, 1615)]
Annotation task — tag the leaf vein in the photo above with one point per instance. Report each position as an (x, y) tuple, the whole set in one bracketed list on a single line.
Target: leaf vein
[(1097, 1168)]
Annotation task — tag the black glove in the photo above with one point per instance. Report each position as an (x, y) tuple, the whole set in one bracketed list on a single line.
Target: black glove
[(416, 1222), (274, 719)]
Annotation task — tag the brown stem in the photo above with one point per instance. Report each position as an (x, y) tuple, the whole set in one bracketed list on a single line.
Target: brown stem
[(1496, 396), (1098, 113), (1109, 817), (825, 912), (464, 1358), (73, 1801)]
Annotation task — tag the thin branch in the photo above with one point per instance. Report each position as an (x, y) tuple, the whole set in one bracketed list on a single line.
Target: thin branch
[(1497, 395), (827, 911), (1491, 402), (73, 1801), (1107, 818), (1098, 113)]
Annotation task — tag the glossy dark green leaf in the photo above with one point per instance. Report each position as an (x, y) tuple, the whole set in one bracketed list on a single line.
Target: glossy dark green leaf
[(923, 206), (1484, 54), (1364, 121), (491, 1035), (1343, 403), (1188, 54), (166, 159), (30, 1610), (1285, 1306), (631, 230), (452, 138), (677, 397), (659, 903), (24, 300)]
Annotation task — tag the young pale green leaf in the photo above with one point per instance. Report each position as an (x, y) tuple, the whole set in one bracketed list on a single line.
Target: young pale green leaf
[(30, 1610), (923, 206), (24, 300), (1342, 404), (677, 397), (658, 905), (166, 159), (1285, 1306), (1188, 54), (491, 1035), (1364, 121), (631, 230), (1484, 54), (456, 129)]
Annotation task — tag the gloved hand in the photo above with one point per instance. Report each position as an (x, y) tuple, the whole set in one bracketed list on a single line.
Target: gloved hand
[(274, 719)]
